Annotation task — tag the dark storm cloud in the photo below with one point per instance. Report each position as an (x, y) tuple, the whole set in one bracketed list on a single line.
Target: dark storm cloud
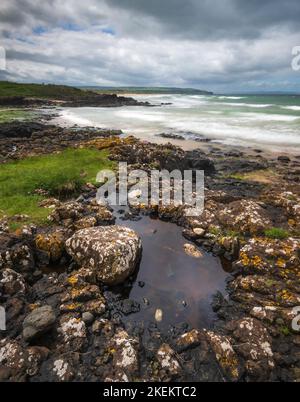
[(215, 18)]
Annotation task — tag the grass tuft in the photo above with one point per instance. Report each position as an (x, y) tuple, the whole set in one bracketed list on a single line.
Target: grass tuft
[(276, 233)]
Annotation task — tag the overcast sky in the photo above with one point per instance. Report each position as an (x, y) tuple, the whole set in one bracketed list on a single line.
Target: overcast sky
[(220, 45)]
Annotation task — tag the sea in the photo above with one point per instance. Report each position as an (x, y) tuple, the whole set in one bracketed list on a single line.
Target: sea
[(268, 121)]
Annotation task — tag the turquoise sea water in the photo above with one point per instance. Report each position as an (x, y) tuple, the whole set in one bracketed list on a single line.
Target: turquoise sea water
[(272, 121)]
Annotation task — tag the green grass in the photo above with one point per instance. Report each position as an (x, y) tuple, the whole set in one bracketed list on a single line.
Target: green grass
[(60, 174), (235, 176), (8, 115), (285, 331), (40, 90), (224, 232), (276, 233)]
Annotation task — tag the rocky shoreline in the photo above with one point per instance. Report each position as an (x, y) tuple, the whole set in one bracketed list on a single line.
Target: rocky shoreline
[(55, 280), (87, 99)]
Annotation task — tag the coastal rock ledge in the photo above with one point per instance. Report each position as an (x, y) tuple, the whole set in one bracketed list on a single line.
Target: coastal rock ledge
[(111, 252)]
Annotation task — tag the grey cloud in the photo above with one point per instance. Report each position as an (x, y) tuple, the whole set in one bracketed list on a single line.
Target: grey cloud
[(214, 44)]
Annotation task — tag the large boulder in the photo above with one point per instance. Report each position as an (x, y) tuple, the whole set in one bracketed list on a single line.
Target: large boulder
[(112, 252)]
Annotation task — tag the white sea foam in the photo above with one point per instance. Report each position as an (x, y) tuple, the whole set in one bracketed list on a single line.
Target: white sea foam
[(255, 105), (296, 108), (75, 118), (269, 117), (231, 97)]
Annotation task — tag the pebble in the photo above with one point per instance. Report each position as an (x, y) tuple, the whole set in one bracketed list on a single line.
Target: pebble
[(146, 301), (192, 250), (158, 315), (87, 317)]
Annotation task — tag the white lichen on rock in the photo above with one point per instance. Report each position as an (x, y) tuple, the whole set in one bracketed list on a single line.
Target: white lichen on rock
[(167, 359), (60, 368), (111, 251), (73, 328), (225, 354)]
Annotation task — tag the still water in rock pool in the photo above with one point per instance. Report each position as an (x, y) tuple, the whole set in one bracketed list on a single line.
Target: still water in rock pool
[(171, 286)]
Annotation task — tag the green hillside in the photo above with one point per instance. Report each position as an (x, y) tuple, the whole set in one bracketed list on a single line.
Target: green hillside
[(39, 90)]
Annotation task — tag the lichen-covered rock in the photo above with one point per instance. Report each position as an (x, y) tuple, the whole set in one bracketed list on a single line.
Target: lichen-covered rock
[(50, 203), (39, 321), (275, 314), (245, 216), (287, 200), (11, 283), (35, 356), (168, 361), (62, 370), (207, 218), (123, 349), (273, 291), (15, 253), (12, 355), (72, 332), (267, 256), (17, 362), (225, 354), (86, 222), (112, 251), (149, 155), (172, 213), (101, 213), (82, 296), (192, 250), (103, 326), (189, 339), (254, 344), (52, 243), (71, 210), (76, 215)]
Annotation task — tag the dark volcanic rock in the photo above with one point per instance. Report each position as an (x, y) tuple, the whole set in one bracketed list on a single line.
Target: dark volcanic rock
[(21, 129), (283, 159), (171, 136), (104, 100), (238, 165), (196, 160), (84, 99)]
